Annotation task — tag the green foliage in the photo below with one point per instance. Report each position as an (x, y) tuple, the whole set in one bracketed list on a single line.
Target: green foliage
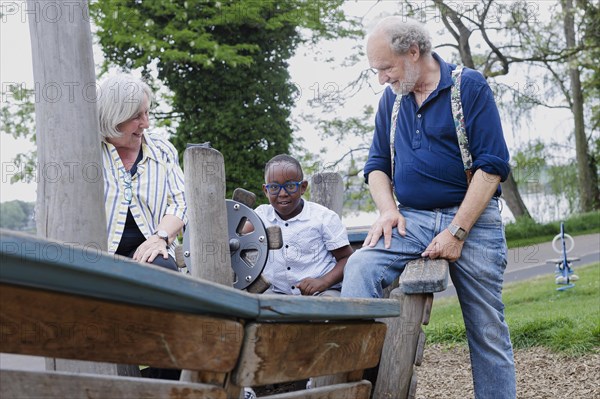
[(17, 119), (17, 215), (226, 64), (527, 163), (526, 231), (356, 129), (563, 180), (537, 315)]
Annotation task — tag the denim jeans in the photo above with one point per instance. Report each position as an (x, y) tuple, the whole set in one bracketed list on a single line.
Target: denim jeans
[(477, 277)]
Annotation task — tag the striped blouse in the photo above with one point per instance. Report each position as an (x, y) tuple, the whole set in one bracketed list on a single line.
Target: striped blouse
[(157, 188)]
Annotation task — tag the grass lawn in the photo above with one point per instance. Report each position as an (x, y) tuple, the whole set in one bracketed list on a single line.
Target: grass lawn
[(537, 315)]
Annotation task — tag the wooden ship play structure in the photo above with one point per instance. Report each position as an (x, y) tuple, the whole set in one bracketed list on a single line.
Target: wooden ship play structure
[(96, 316)]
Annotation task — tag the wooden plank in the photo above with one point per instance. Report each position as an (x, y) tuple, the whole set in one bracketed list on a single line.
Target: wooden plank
[(353, 390), (399, 349), (31, 261), (205, 195), (281, 352), (327, 380), (412, 390), (424, 276), (293, 308), (427, 309), (60, 385), (45, 323), (420, 348), (53, 265)]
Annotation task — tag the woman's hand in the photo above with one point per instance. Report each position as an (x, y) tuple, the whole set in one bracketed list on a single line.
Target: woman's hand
[(150, 249)]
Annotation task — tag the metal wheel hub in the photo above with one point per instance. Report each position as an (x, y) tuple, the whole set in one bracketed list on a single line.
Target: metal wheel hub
[(249, 252)]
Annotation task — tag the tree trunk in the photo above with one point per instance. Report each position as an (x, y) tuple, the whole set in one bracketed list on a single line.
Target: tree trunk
[(462, 34), (513, 199), (589, 194)]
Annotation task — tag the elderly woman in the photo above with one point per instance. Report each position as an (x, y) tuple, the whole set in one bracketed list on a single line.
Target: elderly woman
[(143, 182)]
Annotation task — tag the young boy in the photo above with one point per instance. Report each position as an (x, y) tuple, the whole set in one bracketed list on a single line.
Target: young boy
[(315, 243)]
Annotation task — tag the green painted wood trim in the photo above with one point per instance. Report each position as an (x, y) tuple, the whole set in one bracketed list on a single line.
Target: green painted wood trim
[(84, 270)]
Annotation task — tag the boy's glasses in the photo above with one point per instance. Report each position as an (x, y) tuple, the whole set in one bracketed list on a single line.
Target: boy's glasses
[(290, 187), (127, 183)]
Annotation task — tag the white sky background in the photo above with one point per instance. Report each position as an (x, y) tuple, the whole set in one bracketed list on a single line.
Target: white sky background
[(306, 71)]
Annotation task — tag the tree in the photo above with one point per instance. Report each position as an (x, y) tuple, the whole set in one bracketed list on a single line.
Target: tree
[(457, 24), (17, 118), (514, 33), (226, 65), (17, 215), (349, 165)]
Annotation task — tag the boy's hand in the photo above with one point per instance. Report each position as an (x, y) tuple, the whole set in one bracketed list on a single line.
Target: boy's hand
[(312, 286)]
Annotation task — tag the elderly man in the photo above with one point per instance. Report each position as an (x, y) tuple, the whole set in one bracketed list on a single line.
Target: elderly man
[(446, 182)]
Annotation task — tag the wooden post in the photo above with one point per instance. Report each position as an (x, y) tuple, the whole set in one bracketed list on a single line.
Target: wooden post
[(70, 192), (405, 340), (327, 189), (400, 347), (70, 188), (205, 195), (204, 170)]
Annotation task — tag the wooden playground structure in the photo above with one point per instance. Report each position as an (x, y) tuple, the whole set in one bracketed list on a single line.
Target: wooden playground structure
[(96, 316)]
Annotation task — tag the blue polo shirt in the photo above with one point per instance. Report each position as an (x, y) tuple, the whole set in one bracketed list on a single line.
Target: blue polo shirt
[(429, 171)]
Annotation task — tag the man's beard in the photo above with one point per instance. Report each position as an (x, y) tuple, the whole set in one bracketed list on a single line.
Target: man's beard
[(411, 75)]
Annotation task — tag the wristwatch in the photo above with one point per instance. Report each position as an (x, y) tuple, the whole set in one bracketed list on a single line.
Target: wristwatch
[(458, 232), (164, 235)]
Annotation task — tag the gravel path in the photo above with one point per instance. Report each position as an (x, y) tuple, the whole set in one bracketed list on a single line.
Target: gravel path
[(446, 373)]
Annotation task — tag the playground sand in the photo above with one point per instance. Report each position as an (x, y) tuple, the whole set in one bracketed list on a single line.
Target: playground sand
[(446, 373)]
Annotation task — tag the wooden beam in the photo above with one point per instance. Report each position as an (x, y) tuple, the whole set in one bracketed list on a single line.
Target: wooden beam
[(53, 265), (32, 261), (298, 308), (45, 323), (70, 189), (60, 385), (280, 352), (205, 194), (422, 276), (400, 348), (327, 189), (354, 390)]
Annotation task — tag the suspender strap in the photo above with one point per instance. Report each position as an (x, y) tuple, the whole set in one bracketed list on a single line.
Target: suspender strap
[(459, 123), (395, 111)]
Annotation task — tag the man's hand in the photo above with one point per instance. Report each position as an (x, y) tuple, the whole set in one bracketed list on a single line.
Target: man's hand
[(312, 286), (150, 249), (384, 225), (445, 246)]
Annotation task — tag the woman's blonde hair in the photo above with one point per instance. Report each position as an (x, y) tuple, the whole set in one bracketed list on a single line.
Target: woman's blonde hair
[(119, 99)]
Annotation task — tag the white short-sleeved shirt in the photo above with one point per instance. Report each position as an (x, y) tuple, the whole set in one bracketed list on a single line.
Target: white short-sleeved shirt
[(308, 240)]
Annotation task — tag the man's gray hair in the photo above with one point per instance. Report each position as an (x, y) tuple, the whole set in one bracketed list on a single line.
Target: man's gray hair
[(404, 32), (120, 97)]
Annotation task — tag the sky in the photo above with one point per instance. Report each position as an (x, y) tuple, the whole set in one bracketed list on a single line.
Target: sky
[(309, 72)]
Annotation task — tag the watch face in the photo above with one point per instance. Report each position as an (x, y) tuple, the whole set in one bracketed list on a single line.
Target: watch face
[(457, 232), (163, 234)]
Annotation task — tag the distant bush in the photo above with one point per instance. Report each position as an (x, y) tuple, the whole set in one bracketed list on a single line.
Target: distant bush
[(525, 230)]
